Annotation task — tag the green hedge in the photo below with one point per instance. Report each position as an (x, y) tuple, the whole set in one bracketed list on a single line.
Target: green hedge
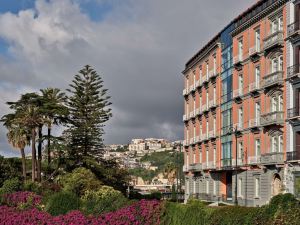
[(283, 209)]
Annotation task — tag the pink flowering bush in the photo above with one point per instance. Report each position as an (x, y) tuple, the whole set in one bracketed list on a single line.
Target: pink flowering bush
[(22, 197), (140, 213)]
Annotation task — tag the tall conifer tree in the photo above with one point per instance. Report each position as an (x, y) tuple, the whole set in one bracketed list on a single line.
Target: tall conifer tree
[(89, 108)]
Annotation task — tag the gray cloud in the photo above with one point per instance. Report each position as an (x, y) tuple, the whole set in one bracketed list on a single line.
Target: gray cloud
[(139, 48)]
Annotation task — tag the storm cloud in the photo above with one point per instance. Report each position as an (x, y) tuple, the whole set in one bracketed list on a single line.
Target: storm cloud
[(139, 47)]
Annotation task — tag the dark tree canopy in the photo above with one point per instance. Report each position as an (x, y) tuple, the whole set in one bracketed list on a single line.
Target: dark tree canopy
[(89, 108)]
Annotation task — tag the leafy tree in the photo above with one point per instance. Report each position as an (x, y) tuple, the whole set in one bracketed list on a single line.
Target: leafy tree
[(88, 105), (9, 168), (54, 111)]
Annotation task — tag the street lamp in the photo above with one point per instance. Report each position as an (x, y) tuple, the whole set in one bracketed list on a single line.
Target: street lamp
[(236, 133)]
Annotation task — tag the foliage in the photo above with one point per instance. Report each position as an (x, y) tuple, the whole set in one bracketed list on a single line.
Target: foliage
[(62, 202), (139, 213), (146, 175), (106, 199), (9, 168), (88, 105), (10, 186), (79, 181)]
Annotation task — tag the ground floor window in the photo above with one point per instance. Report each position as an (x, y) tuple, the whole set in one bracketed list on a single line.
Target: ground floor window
[(297, 185), (207, 187), (240, 186), (257, 187)]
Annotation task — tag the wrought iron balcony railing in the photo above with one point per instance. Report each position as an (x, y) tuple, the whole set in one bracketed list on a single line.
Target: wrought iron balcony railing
[(273, 39), (272, 79), (293, 112), (293, 71)]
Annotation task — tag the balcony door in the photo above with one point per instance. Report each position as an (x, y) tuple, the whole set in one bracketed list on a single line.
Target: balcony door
[(229, 185), (297, 147)]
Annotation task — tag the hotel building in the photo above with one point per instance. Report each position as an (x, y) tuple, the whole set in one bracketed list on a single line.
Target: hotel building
[(242, 129)]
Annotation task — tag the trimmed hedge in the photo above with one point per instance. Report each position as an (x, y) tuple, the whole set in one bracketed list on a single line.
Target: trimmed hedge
[(283, 209)]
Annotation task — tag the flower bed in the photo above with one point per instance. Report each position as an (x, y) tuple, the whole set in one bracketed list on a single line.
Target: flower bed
[(140, 213)]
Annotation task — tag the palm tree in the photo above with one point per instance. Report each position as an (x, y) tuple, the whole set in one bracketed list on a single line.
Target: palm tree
[(18, 137), (28, 115), (54, 111)]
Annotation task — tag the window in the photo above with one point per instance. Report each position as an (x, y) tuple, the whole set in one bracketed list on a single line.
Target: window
[(274, 104), (240, 150), (280, 63), (215, 124), (280, 140), (240, 49), (200, 74), (194, 77), (194, 157), (215, 187), (240, 187), (257, 147), (207, 68), (257, 110), (215, 94), (274, 65), (187, 133), (200, 129), (257, 76), (200, 100), (194, 187), (206, 156), (207, 97), (241, 82), (187, 158), (257, 40), (240, 117), (215, 64), (257, 188), (207, 126), (274, 143), (194, 105), (274, 26), (207, 187), (187, 183), (280, 103), (200, 155), (215, 156), (280, 23)]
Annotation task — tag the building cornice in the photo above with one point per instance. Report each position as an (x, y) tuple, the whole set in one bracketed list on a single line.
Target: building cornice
[(269, 9)]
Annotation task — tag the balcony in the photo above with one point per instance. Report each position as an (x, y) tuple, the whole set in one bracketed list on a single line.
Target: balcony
[(205, 79), (293, 156), (254, 87), (185, 92), (193, 114), (254, 123), (272, 79), (293, 29), (272, 158), (253, 160), (195, 167), (293, 113), (193, 87), (273, 40), (205, 107), (198, 111), (212, 134), (185, 143), (293, 72), (238, 93), (212, 104), (198, 83), (204, 137), (211, 165), (239, 162), (254, 52), (185, 118), (272, 118), (198, 139), (238, 126), (212, 74), (226, 162), (192, 141), (237, 59), (185, 168)]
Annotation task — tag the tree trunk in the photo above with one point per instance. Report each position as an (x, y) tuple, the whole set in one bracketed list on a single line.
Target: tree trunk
[(33, 154), (23, 163), (48, 145), (39, 162)]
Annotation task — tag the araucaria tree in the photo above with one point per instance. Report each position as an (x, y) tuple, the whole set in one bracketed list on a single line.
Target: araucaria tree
[(89, 109)]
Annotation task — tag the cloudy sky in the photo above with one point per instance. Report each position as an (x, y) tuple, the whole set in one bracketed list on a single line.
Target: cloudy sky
[(138, 46)]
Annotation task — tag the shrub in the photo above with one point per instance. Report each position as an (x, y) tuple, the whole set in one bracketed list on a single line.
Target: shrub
[(10, 186), (105, 199), (32, 187), (62, 202), (79, 181)]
